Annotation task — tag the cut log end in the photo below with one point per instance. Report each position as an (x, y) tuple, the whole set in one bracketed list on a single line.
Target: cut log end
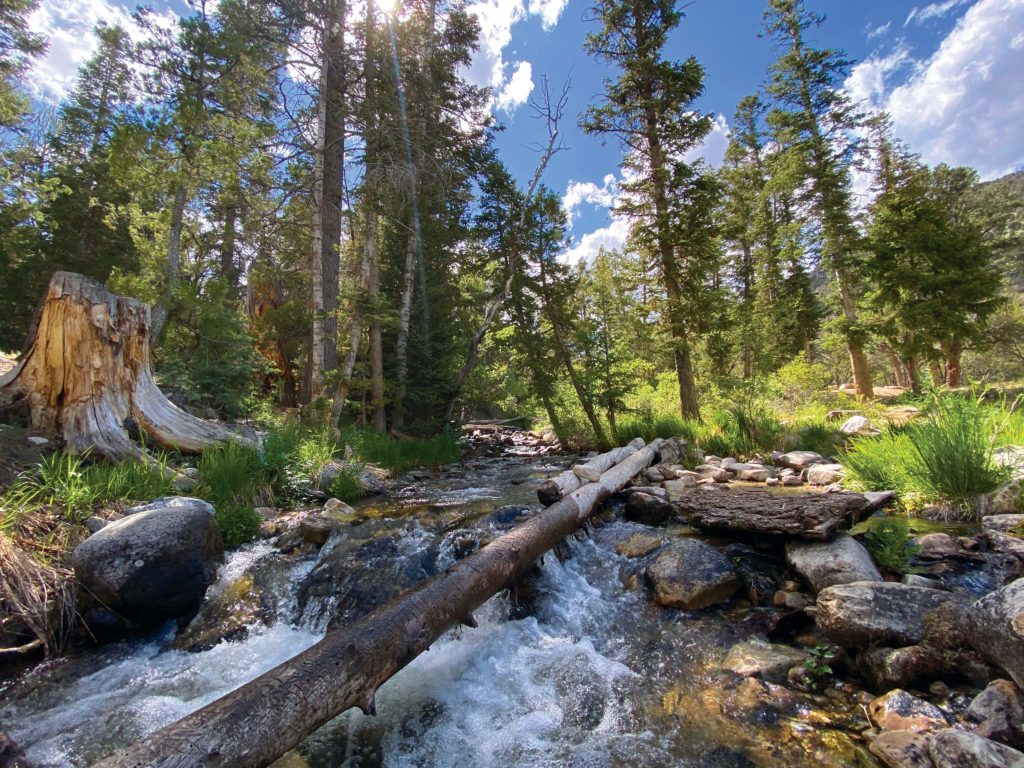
[(85, 377)]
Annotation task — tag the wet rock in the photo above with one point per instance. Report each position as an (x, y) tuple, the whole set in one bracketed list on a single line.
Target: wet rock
[(1002, 523), (799, 460), (692, 575), (227, 616), (647, 509), (937, 546), (958, 749), (650, 490), (857, 614), (840, 561), (886, 668), (95, 524), (824, 474), (902, 749), (995, 627), (914, 580), (155, 563), (11, 755), (792, 481), (317, 528), (1005, 544), (756, 658), (792, 601), (999, 713), (899, 711), (639, 545)]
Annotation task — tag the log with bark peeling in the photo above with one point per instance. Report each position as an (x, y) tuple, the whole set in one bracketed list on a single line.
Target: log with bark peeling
[(555, 488), (85, 377), (259, 722)]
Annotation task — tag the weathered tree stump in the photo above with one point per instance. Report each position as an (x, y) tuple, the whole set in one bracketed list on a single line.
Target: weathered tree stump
[(757, 510), (85, 376)]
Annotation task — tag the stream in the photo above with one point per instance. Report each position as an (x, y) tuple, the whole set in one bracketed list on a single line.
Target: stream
[(577, 668)]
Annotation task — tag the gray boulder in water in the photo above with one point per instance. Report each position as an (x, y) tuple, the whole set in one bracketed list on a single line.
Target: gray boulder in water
[(155, 563), (692, 575), (995, 627)]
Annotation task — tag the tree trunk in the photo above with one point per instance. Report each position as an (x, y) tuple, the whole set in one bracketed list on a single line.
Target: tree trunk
[(379, 421), (259, 722), (937, 373), (404, 318), (953, 351), (913, 377), (85, 377), (160, 310)]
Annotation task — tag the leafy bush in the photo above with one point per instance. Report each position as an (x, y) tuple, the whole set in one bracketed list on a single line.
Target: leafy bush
[(346, 486), (800, 380), (238, 523), (889, 541)]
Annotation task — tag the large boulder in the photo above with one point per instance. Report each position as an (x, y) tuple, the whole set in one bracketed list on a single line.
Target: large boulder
[(153, 564), (995, 627), (900, 711), (824, 564), (959, 749), (902, 749), (858, 614), (692, 574)]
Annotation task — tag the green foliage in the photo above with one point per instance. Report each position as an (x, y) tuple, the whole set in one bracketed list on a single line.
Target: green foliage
[(346, 486), (890, 543), (737, 430), (231, 473), (880, 463), (800, 380), (649, 427), (400, 455), (818, 664), (238, 523), (820, 437)]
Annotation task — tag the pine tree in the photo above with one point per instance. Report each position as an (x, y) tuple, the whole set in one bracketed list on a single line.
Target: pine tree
[(18, 46), (812, 120), (650, 108)]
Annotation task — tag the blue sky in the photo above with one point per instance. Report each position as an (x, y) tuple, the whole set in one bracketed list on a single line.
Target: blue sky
[(950, 72)]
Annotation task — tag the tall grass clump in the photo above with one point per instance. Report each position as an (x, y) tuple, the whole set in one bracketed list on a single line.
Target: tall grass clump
[(956, 450), (400, 455), (233, 479), (820, 437), (650, 427), (738, 430), (881, 463)]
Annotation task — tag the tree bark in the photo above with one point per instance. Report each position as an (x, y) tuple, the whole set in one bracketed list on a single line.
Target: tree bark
[(160, 310), (85, 377), (404, 318), (555, 488), (259, 722), (953, 350)]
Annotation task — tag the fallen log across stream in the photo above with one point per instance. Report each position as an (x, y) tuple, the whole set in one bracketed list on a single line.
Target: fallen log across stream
[(555, 488), (260, 721)]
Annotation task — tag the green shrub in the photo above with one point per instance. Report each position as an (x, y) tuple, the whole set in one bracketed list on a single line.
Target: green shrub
[(889, 541), (238, 523), (346, 486), (819, 437)]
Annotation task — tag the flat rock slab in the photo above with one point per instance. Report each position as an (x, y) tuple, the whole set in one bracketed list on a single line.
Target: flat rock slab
[(812, 516)]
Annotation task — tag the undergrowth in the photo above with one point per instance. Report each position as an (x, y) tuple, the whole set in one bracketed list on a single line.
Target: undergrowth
[(400, 455), (890, 542)]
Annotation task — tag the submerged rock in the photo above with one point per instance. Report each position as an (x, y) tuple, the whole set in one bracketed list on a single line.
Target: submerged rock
[(861, 613), (639, 545), (691, 574), (769, 661), (840, 561), (154, 564)]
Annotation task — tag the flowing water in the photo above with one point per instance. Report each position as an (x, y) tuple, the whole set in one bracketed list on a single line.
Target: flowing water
[(579, 669)]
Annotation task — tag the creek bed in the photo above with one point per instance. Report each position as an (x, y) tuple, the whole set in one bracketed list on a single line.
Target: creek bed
[(579, 669)]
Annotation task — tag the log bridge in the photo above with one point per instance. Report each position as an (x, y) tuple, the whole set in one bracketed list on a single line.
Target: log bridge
[(257, 723)]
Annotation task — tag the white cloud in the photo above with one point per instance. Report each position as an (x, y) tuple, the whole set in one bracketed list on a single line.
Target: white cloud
[(611, 238), (579, 192), (964, 105), (878, 31), (712, 149), (516, 91), (919, 15), (68, 29), (488, 67), (548, 10)]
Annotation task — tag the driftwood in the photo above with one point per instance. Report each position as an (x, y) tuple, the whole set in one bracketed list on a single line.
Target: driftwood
[(758, 510), (555, 488), (259, 722), (85, 376)]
